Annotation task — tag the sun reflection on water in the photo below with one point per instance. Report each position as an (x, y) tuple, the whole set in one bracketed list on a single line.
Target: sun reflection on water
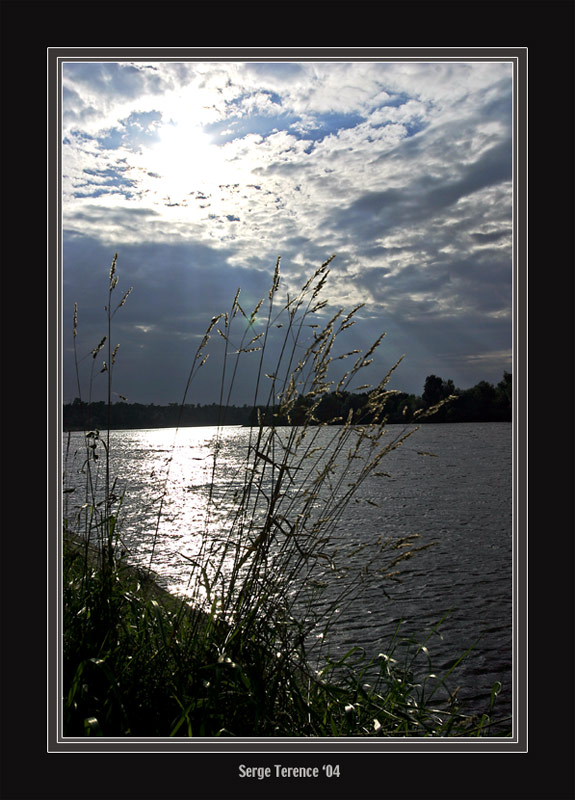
[(178, 490)]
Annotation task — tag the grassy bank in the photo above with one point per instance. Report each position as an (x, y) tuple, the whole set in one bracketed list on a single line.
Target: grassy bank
[(235, 661), (140, 662)]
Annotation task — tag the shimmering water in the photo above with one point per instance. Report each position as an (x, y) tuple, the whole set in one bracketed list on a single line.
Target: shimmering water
[(460, 498)]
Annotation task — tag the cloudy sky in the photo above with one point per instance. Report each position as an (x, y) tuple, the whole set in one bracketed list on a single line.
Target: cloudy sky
[(199, 174)]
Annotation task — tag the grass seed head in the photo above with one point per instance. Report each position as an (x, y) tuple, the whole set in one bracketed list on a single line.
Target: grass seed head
[(97, 349), (125, 297)]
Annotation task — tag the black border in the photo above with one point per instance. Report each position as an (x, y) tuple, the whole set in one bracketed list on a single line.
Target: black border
[(545, 772), (518, 60)]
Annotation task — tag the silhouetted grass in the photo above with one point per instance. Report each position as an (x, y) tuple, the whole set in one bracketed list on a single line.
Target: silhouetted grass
[(236, 659)]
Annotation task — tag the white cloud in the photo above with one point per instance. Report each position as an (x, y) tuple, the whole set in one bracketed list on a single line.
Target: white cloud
[(403, 169)]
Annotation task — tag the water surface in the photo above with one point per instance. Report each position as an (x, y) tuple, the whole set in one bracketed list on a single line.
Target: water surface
[(450, 484)]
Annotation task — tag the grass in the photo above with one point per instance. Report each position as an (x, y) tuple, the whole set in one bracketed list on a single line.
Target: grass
[(237, 659)]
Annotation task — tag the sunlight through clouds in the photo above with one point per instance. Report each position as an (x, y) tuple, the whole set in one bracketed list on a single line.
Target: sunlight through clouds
[(403, 169), (186, 160)]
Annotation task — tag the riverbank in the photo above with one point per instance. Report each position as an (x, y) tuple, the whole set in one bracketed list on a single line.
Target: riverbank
[(77, 548), (145, 582), (138, 661)]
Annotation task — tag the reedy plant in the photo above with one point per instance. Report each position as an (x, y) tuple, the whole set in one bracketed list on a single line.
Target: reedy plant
[(102, 505), (295, 487), (241, 661), (258, 575)]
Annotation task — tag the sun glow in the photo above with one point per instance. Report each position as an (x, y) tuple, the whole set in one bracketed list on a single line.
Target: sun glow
[(186, 160)]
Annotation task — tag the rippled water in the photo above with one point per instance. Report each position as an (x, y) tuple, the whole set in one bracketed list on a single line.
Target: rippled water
[(460, 498)]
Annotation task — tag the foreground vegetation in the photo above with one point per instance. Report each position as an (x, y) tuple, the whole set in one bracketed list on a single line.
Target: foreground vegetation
[(138, 662), (236, 659)]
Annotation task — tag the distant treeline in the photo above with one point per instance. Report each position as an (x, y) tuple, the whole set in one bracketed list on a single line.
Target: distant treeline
[(484, 402)]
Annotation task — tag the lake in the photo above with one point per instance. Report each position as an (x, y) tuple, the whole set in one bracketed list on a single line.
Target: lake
[(450, 484)]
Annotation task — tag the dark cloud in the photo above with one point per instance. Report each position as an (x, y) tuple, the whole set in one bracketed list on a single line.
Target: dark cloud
[(492, 168), (496, 103), (178, 288), (176, 291), (440, 345), (488, 238), (447, 288), (376, 213)]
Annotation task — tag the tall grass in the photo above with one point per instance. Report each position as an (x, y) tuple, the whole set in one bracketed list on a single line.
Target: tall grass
[(238, 658)]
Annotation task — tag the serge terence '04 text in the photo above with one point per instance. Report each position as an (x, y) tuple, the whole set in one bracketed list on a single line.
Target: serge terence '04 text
[(279, 771)]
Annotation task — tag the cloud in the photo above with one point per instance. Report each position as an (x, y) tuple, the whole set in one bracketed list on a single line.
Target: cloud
[(176, 291), (200, 173), (114, 80), (426, 197)]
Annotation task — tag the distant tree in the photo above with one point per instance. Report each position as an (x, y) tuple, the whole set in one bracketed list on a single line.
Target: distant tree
[(481, 403), (432, 390), (477, 404), (504, 397), (435, 390), (505, 387)]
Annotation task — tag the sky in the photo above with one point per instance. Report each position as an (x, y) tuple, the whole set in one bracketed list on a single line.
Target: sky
[(199, 174)]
